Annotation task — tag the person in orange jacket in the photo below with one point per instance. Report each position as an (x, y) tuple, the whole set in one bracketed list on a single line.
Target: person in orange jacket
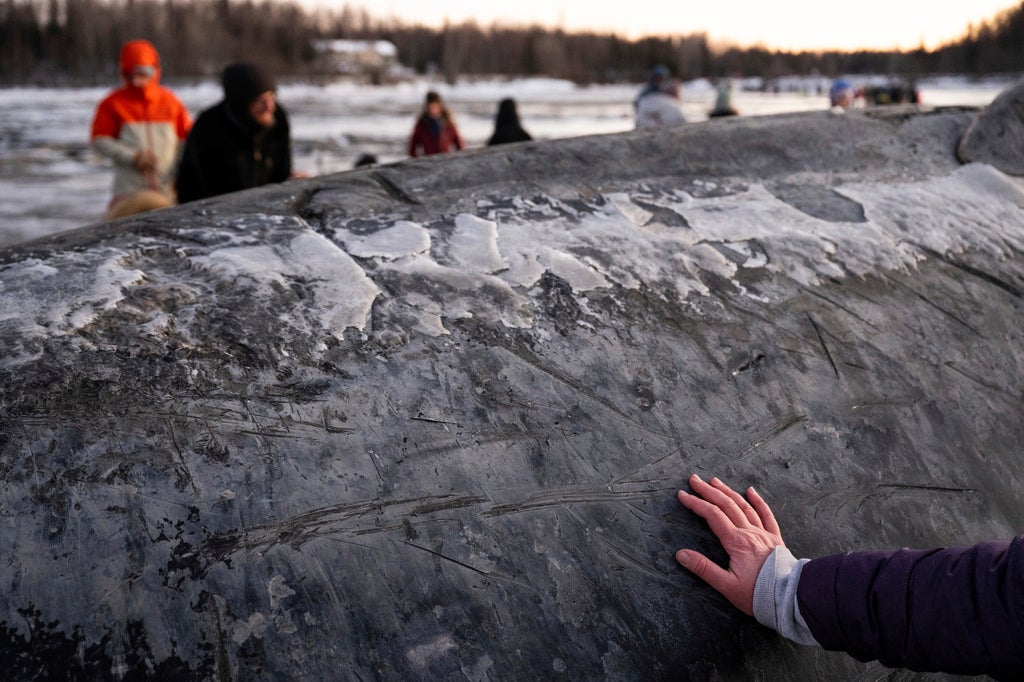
[(141, 127)]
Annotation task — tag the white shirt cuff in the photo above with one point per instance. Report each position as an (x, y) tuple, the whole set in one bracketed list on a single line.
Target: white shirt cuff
[(775, 602)]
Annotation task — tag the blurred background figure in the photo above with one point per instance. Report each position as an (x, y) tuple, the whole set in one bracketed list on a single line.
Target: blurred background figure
[(841, 94), (507, 127), (365, 160), (891, 93), (140, 127), (435, 131), (658, 102), (723, 100), (658, 75), (242, 141)]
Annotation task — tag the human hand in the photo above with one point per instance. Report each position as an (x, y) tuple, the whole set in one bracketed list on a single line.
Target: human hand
[(748, 533), (144, 161)]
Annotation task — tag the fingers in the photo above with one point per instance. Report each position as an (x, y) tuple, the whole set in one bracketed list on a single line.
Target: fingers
[(764, 512), (740, 502), (723, 497), (719, 523)]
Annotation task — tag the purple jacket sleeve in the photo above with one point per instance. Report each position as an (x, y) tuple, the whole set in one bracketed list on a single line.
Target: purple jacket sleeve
[(957, 610)]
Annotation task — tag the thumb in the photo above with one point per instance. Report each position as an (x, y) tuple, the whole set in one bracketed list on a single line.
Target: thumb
[(705, 569)]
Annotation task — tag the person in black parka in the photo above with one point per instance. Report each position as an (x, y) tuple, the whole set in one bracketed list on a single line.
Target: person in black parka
[(242, 141), (506, 125)]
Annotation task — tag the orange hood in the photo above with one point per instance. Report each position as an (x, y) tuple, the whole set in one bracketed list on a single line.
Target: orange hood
[(139, 53)]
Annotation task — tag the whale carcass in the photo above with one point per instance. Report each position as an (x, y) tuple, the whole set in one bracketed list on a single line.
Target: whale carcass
[(427, 420)]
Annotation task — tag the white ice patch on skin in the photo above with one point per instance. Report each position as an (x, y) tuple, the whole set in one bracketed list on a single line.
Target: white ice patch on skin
[(255, 626), (799, 245), (404, 238), (277, 589), (438, 291), (58, 296), (421, 655), (975, 207), (474, 245), (636, 215), (81, 296), (603, 249), (34, 269), (343, 293)]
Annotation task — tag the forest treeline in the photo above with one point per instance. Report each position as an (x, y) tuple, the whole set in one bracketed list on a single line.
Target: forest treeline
[(77, 41)]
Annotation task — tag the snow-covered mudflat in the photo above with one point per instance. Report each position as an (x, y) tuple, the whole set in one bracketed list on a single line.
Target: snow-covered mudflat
[(50, 181)]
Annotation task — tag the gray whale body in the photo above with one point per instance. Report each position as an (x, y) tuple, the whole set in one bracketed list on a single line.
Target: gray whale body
[(427, 420)]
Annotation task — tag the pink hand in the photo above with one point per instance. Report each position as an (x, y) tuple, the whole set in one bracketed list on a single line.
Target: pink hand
[(748, 533)]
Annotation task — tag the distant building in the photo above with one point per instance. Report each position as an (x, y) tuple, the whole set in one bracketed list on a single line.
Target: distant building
[(373, 59)]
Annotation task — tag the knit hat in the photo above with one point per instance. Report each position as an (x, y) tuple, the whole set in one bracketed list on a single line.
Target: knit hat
[(841, 91), (244, 82), (659, 73)]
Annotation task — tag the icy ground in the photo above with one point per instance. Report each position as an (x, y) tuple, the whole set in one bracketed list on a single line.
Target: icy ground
[(50, 181)]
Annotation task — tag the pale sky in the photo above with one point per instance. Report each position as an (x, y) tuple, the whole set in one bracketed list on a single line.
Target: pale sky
[(786, 24)]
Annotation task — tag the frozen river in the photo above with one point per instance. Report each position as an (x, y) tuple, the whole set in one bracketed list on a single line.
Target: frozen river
[(51, 181)]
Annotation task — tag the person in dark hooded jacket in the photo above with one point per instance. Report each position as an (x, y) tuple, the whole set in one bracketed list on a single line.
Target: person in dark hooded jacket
[(242, 141), (507, 127)]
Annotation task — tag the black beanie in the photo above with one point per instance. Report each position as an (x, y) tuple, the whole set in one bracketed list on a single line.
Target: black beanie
[(244, 82)]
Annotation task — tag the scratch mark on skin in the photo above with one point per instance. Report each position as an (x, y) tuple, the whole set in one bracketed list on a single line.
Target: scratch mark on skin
[(770, 323), (270, 434), (463, 564), (31, 455), (824, 346), (373, 460), (576, 451), (529, 358), (865, 404), (860, 496), (631, 560), (773, 433), (749, 365), (448, 558), (627, 477), (332, 429), (337, 522), (351, 520), (935, 488), (978, 380), (838, 305), (429, 449), (182, 466), (557, 498), (393, 189), (423, 418), (1011, 289), (942, 310)]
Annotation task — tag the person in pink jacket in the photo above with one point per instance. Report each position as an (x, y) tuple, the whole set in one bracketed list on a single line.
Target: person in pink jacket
[(435, 131)]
